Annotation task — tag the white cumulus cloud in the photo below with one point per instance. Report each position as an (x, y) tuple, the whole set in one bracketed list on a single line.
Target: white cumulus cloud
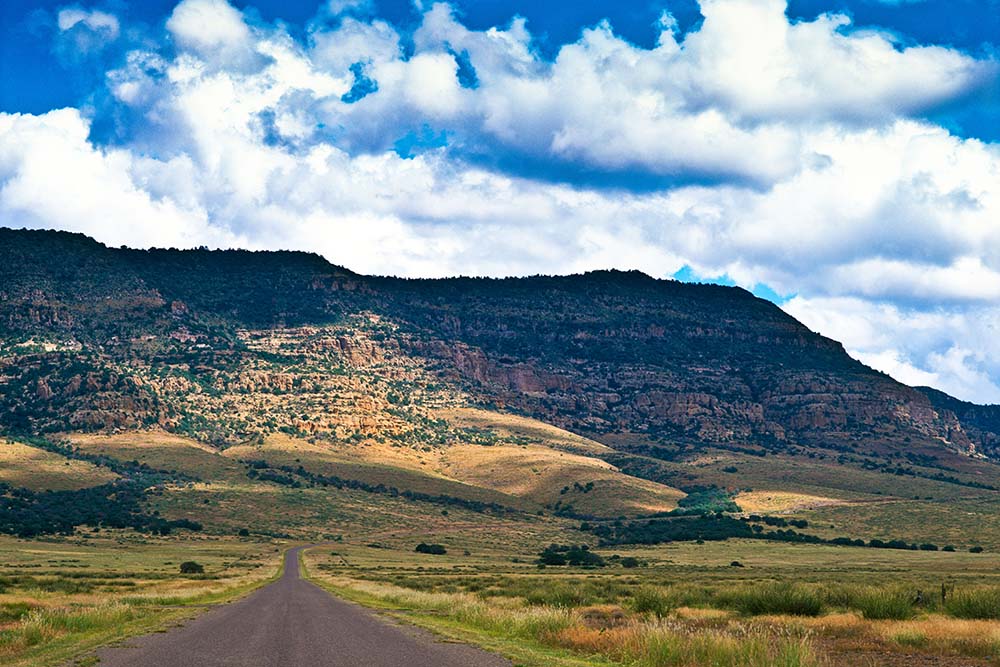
[(212, 29), (95, 20)]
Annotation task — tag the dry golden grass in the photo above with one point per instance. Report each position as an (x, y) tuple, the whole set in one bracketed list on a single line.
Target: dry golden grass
[(29, 467), (541, 473), (536, 472), (701, 614), (781, 501), (331, 456), (668, 644), (940, 634), (373, 463), (516, 425), (933, 634), (844, 624), (163, 451)]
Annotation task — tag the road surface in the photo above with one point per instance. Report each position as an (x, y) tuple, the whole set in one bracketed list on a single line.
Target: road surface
[(293, 622)]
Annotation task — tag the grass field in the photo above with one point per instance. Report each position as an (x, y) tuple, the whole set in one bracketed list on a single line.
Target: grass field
[(493, 500), (962, 522), (61, 597), (687, 605), (29, 467)]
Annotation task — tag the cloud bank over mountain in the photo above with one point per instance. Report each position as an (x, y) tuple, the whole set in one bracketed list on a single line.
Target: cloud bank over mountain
[(753, 148)]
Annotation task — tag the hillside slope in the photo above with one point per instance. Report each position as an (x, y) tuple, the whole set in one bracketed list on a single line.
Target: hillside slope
[(601, 353), (604, 394)]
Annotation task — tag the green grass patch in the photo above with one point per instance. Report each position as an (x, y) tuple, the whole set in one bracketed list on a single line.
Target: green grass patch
[(771, 598)]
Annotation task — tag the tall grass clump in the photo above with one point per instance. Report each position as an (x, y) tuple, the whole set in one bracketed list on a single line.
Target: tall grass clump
[(974, 603), (773, 598), (652, 600), (882, 604)]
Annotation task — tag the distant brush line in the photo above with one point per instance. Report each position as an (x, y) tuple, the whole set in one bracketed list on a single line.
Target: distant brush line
[(718, 527)]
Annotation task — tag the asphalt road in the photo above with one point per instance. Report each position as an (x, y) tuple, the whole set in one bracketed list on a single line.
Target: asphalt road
[(291, 623)]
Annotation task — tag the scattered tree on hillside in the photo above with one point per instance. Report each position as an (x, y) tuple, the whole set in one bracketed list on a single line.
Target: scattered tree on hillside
[(192, 567), (435, 549)]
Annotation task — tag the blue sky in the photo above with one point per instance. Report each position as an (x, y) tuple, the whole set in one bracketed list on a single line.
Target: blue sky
[(838, 157)]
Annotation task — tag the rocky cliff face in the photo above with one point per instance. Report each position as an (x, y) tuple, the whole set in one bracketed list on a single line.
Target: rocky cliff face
[(978, 426), (96, 338)]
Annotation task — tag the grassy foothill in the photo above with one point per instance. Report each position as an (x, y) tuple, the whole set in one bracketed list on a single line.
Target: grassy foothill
[(450, 538)]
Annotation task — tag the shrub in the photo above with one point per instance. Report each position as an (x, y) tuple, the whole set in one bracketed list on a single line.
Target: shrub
[(648, 599), (578, 556), (435, 549), (191, 567)]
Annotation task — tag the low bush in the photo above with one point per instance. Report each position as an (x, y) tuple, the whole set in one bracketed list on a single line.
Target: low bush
[(434, 549), (191, 567), (651, 600), (577, 556)]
